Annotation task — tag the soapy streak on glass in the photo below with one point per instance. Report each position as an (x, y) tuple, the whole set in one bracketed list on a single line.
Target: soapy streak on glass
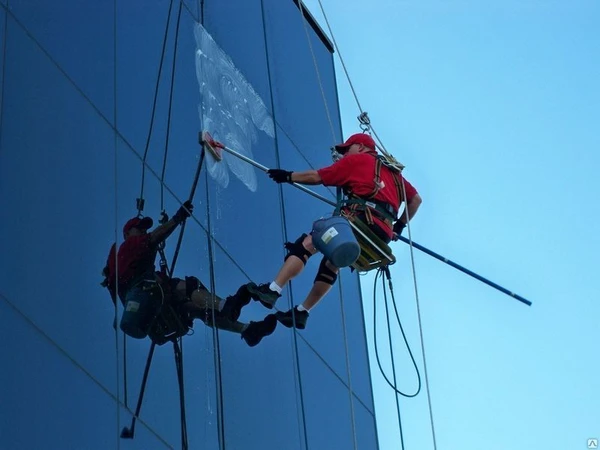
[(231, 110)]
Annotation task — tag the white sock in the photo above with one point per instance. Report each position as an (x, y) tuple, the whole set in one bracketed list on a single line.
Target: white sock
[(302, 308), (275, 287)]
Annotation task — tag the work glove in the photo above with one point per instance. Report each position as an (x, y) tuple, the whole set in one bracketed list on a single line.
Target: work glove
[(280, 176), (398, 227), (183, 212)]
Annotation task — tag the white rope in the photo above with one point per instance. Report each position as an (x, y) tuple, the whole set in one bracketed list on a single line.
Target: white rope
[(348, 370), (422, 339), (337, 49), (334, 140), (386, 153), (301, 8)]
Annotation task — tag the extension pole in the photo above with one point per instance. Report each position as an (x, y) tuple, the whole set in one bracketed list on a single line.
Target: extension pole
[(127, 433), (190, 198), (211, 146), (465, 270)]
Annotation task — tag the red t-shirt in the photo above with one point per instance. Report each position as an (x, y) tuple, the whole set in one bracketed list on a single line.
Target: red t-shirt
[(356, 173), (135, 258)]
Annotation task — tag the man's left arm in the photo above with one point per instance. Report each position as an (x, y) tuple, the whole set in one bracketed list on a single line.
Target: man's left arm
[(410, 209), (306, 177), (285, 176)]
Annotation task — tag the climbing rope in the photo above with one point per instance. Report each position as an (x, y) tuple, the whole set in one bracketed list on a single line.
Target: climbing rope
[(140, 200), (366, 126), (418, 303), (116, 224), (334, 140), (317, 71), (380, 274)]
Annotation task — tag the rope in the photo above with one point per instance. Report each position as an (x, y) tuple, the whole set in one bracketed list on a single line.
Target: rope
[(301, 8), (168, 133), (140, 203), (217, 352), (4, 63), (409, 233), (299, 393), (116, 200), (418, 303), (348, 370), (387, 315), (179, 366), (392, 385), (337, 49)]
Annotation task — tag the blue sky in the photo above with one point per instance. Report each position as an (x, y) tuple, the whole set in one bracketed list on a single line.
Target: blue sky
[(494, 107)]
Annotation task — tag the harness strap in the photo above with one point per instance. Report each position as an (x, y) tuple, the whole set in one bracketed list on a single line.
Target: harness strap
[(382, 209)]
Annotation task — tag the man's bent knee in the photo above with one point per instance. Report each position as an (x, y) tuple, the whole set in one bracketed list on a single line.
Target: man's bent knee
[(327, 272), (301, 248)]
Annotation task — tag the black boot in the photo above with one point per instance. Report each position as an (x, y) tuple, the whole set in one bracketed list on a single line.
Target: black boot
[(234, 303), (288, 318), (263, 294), (255, 331)]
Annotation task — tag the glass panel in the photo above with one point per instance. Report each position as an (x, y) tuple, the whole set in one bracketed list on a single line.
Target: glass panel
[(328, 423), (45, 389), (299, 105), (161, 408), (79, 37), (237, 28), (356, 335), (72, 185), (324, 330), (139, 52), (3, 19), (252, 376), (53, 143), (366, 431)]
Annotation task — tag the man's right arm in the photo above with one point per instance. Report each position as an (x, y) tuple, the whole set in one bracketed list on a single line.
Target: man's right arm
[(162, 232)]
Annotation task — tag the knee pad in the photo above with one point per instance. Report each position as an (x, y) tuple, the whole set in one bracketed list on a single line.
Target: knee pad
[(325, 274), (297, 249)]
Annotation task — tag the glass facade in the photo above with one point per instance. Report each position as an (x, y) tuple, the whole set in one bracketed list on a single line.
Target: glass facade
[(98, 96)]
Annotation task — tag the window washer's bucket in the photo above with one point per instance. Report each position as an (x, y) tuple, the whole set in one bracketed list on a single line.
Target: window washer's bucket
[(141, 307), (334, 238)]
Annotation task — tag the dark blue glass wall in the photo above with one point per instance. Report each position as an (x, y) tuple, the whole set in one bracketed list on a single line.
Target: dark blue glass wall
[(78, 82)]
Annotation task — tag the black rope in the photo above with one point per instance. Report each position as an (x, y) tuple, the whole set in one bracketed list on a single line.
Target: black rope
[(387, 316), (217, 342), (140, 200), (164, 167), (191, 197), (125, 369), (128, 433), (179, 366), (392, 385)]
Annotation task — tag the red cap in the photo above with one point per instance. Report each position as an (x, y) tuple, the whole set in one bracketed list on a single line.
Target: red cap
[(358, 138), (141, 223)]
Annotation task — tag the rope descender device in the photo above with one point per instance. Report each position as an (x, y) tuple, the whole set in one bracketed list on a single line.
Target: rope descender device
[(365, 122)]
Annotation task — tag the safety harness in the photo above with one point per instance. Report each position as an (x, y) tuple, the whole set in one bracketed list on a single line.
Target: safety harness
[(368, 204)]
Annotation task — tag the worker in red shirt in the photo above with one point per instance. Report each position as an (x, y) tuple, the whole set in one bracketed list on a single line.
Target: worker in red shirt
[(375, 193), (141, 289)]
